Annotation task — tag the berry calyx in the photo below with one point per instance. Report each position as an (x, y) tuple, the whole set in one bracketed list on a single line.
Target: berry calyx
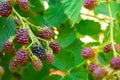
[(24, 5), (39, 52), (55, 46), (49, 58), (5, 9), (87, 53), (12, 66), (22, 36), (37, 64), (115, 63), (45, 34), (90, 4), (92, 67), (99, 73), (21, 57)]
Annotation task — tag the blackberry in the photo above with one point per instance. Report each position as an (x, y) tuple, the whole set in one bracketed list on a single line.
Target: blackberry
[(99, 73), (117, 47), (5, 9), (2, 71), (107, 48), (24, 5), (45, 34), (49, 58), (92, 67), (12, 66), (115, 63), (90, 4), (55, 46), (87, 53), (39, 52), (37, 64), (7, 46), (22, 36), (21, 57)]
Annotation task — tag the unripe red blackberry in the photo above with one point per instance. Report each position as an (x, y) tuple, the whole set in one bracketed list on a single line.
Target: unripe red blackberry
[(21, 57), (55, 46), (87, 53), (7, 46), (45, 34), (1, 71), (115, 63), (12, 66), (22, 36), (39, 52), (117, 47), (90, 4), (49, 58), (92, 67), (37, 64), (24, 5), (99, 73), (5, 9)]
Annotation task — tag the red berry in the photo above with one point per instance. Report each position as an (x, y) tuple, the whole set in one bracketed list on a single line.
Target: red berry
[(92, 67), (99, 73), (7, 46), (5, 9), (22, 36), (115, 63), (24, 5), (117, 47), (107, 48), (49, 58), (21, 57), (55, 46), (90, 4), (12, 66), (45, 34), (1, 71), (37, 64), (87, 53)]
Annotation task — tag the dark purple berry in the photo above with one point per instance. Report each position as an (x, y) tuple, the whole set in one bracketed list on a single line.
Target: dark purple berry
[(115, 63), (24, 5), (7, 46)]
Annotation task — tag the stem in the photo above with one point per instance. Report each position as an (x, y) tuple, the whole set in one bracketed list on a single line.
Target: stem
[(111, 29)]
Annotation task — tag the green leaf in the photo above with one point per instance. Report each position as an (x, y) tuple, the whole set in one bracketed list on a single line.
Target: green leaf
[(72, 9), (88, 27), (65, 60), (53, 77), (66, 35), (54, 15), (7, 29)]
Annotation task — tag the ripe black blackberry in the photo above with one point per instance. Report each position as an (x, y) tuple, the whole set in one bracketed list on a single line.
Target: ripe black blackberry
[(45, 34), (37, 64), (90, 4), (12, 66), (92, 67), (99, 73), (7, 46), (87, 53), (24, 5), (22, 36), (21, 57), (49, 58), (39, 52), (55, 46), (115, 63), (5, 9)]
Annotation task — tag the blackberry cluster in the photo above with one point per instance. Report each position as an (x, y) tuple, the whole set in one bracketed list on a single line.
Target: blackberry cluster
[(90, 4), (21, 57), (55, 46), (45, 34), (39, 51), (5, 9), (24, 5), (87, 53), (22, 36)]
